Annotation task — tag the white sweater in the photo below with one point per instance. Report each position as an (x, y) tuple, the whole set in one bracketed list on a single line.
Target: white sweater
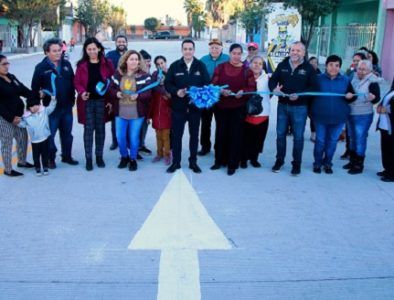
[(262, 86)]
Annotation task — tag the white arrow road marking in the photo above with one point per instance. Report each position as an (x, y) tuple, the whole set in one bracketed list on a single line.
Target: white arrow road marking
[(179, 226)]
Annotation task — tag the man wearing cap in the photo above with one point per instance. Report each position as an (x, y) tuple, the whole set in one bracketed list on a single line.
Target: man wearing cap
[(211, 61), (253, 49)]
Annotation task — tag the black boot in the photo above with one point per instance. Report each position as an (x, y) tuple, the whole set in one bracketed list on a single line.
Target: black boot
[(358, 165), (133, 165), (124, 161), (89, 164), (351, 162), (100, 162)]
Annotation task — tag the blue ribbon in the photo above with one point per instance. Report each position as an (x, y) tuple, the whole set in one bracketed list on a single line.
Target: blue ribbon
[(206, 96), (102, 88), (321, 94), (148, 87), (53, 85), (160, 75)]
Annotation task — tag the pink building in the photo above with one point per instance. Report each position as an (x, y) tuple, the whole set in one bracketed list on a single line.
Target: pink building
[(387, 60)]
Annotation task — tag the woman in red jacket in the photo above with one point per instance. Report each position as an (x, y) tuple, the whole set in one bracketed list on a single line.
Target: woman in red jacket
[(91, 81), (230, 111), (160, 113)]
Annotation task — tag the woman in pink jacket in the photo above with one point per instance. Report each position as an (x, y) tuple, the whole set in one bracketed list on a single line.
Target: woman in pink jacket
[(92, 79)]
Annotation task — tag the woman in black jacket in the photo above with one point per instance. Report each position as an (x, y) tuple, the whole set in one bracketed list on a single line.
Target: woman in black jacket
[(385, 125), (11, 111)]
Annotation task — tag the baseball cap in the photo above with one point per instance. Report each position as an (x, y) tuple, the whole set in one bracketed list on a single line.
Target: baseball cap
[(254, 45), (215, 41)]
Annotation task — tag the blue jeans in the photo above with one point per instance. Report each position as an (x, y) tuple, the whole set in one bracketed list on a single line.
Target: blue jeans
[(358, 127), (132, 128), (327, 136), (61, 118), (295, 116)]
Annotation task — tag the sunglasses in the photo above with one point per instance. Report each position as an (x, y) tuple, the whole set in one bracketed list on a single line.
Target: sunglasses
[(252, 49)]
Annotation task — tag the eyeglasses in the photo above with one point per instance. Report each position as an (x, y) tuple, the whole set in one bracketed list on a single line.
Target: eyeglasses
[(252, 49), (5, 64)]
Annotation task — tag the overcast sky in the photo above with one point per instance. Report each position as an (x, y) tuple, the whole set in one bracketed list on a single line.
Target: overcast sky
[(139, 10)]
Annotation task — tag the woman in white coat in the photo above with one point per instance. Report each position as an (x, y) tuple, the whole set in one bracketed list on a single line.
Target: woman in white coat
[(256, 126)]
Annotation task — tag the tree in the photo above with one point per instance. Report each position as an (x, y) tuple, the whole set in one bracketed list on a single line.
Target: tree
[(311, 11), (48, 22), (117, 19), (198, 23), (220, 11), (192, 7), (92, 14), (152, 24), (28, 13), (251, 16)]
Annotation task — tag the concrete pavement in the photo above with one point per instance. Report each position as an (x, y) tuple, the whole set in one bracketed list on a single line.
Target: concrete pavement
[(65, 236)]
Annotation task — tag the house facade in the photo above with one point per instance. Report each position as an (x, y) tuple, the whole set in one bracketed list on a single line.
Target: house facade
[(355, 24)]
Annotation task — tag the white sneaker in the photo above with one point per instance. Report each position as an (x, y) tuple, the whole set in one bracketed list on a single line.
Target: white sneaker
[(45, 172), (38, 173)]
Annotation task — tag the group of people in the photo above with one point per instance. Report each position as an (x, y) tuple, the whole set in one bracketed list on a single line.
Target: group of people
[(119, 87)]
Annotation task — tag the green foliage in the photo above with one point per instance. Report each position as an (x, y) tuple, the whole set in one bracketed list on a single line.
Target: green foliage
[(198, 23), (92, 14), (28, 13), (196, 17), (219, 12), (192, 7), (251, 16), (152, 24), (51, 23), (310, 11), (216, 11), (117, 19)]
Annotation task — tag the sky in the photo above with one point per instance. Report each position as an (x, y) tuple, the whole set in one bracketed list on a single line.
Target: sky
[(138, 11)]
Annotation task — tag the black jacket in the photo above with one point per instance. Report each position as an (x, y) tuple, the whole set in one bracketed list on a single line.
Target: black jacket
[(11, 105), (179, 78), (65, 91), (302, 79)]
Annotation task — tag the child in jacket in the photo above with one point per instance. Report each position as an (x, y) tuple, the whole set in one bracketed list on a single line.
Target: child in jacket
[(160, 112), (36, 121)]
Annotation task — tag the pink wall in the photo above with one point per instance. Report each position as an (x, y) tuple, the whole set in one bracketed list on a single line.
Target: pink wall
[(388, 4), (387, 61)]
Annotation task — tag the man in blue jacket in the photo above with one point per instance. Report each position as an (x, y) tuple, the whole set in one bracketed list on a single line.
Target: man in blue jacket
[(293, 75), (182, 74), (211, 61), (62, 117), (114, 56)]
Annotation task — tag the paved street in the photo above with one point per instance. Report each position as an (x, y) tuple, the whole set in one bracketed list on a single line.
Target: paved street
[(66, 236)]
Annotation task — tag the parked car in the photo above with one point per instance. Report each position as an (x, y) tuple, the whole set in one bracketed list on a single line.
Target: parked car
[(164, 35)]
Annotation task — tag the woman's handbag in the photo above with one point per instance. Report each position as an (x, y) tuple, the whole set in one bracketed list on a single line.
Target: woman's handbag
[(254, 105)]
